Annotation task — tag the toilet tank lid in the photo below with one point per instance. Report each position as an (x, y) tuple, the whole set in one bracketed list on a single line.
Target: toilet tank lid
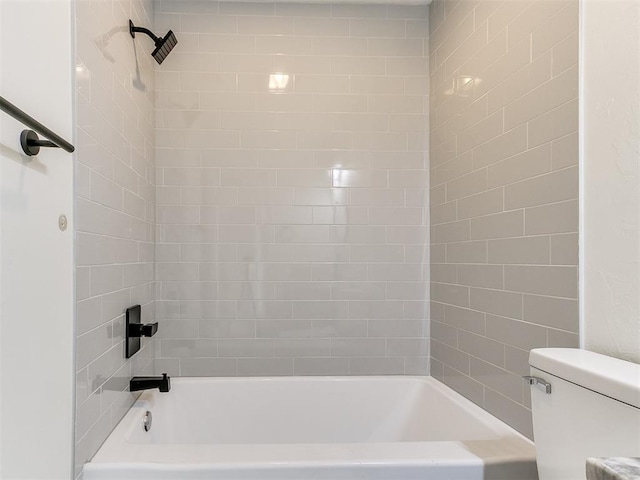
[(609, 376)]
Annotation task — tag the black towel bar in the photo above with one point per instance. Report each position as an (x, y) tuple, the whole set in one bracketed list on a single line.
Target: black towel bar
[(29, 138)]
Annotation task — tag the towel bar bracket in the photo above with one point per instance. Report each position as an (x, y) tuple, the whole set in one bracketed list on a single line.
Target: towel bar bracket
[(31, 143)]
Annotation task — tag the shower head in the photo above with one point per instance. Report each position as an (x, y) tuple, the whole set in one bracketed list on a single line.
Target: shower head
[(164, 45)]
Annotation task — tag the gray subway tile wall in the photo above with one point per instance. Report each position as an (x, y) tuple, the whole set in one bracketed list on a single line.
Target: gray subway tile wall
[(270, 201), (504, 188), (292, 179), (115, 203)]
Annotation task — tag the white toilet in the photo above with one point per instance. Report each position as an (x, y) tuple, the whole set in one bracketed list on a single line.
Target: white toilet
[(584, 405)]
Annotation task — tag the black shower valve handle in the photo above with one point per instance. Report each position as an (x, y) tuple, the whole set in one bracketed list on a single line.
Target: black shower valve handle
[(143, 330)]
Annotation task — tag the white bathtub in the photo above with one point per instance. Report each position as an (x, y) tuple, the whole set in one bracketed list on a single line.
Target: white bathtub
[(395, 428)]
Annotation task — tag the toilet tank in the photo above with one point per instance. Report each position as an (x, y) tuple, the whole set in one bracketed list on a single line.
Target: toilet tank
[(593, 410)]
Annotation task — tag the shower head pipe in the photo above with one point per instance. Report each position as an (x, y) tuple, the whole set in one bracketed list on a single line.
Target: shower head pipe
[(133, 30), (164, 45)]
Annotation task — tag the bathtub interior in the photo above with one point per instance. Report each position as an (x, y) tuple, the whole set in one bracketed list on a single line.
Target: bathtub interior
[(326, 428), (313, 410)]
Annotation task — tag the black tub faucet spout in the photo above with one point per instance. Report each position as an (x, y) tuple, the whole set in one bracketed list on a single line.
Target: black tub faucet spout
[(162, 383)]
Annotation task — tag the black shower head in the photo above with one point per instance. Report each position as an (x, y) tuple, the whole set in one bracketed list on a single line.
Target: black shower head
[(164, 45)]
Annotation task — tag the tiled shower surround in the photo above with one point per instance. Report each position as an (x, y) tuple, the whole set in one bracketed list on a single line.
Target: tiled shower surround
[(114, 203), (292, 177), (504, 189), (284, 201)]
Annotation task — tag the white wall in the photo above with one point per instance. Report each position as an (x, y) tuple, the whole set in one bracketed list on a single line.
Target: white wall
[(611, 189), (36, 258)]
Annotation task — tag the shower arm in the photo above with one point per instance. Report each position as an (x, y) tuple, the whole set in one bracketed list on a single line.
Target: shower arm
[(133, 30)]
